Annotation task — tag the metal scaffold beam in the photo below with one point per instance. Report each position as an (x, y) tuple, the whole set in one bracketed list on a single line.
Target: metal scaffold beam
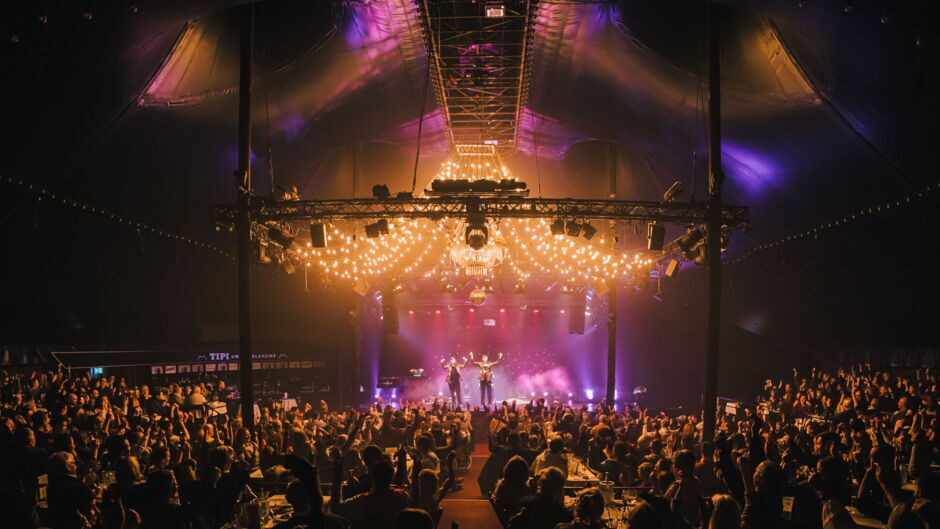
[(496, 208)]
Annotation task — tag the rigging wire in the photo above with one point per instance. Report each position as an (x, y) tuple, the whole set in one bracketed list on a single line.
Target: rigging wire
[(424, 101), (267, 109), (538, 172)]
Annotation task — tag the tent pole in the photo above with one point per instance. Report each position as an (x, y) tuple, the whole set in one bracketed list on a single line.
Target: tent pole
[(713, 224), (243, 223), (611, 342)]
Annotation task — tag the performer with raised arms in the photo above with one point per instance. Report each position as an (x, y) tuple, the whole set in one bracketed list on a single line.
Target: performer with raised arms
[(453, 378), (486, 377)]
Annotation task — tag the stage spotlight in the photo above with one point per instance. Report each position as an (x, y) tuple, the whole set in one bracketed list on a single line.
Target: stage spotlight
[(558, 227), (380, 192), (377, 228), (589, 393), (673, 192), (281, 235), (572, 228), (261, 252), (689, 241), (476, 234), (284, 192), (588, 231), (285, 265), (497, 10)]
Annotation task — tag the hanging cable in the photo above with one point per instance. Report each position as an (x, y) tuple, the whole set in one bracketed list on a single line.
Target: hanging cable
[(267, 111), (914, 198), (52, 197), (538, 172), (424, 101)]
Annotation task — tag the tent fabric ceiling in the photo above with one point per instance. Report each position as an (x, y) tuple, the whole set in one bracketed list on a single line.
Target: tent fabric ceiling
[(817, 105)]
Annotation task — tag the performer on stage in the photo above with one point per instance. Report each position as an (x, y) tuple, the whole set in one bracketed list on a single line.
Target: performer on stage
[(486, 377), (453, 378)]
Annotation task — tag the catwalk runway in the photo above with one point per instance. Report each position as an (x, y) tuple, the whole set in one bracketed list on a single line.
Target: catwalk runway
[(467, 507)]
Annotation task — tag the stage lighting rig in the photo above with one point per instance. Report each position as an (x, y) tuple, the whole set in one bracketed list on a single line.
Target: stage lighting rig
[(260, 249), (558, 227), (689, 242), (377, 229), (284, 263), (673, 192), (572, 228), (476, 235), (380, 192), (495, 10), (284, 192), (588, 231), (281, 235)]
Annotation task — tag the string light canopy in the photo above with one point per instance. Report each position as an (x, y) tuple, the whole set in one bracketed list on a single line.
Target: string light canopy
[(475, 221), (473, 162)]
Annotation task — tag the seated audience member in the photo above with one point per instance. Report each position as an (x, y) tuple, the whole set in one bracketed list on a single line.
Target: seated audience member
[(685, 493), (71, 502), (588, 511), (414, 519), (159, 511), (552, 457), (705, 467), (375, 507), (725, 513), (299, 501), (514, 485), (546, 508), (428, 492)]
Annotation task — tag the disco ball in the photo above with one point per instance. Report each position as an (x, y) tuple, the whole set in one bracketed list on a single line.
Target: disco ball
[(478, 296)]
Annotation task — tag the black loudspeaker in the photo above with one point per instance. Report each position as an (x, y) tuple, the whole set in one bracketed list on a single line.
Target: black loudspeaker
[(389, 312), (318, 235), (576, 315), (655, 236), (672, 268)]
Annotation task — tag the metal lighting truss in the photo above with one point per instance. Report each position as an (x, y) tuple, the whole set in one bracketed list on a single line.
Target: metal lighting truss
[(480, 66), (492, 207)]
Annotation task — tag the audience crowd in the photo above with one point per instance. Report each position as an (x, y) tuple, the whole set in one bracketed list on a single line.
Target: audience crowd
[(820, 450)]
